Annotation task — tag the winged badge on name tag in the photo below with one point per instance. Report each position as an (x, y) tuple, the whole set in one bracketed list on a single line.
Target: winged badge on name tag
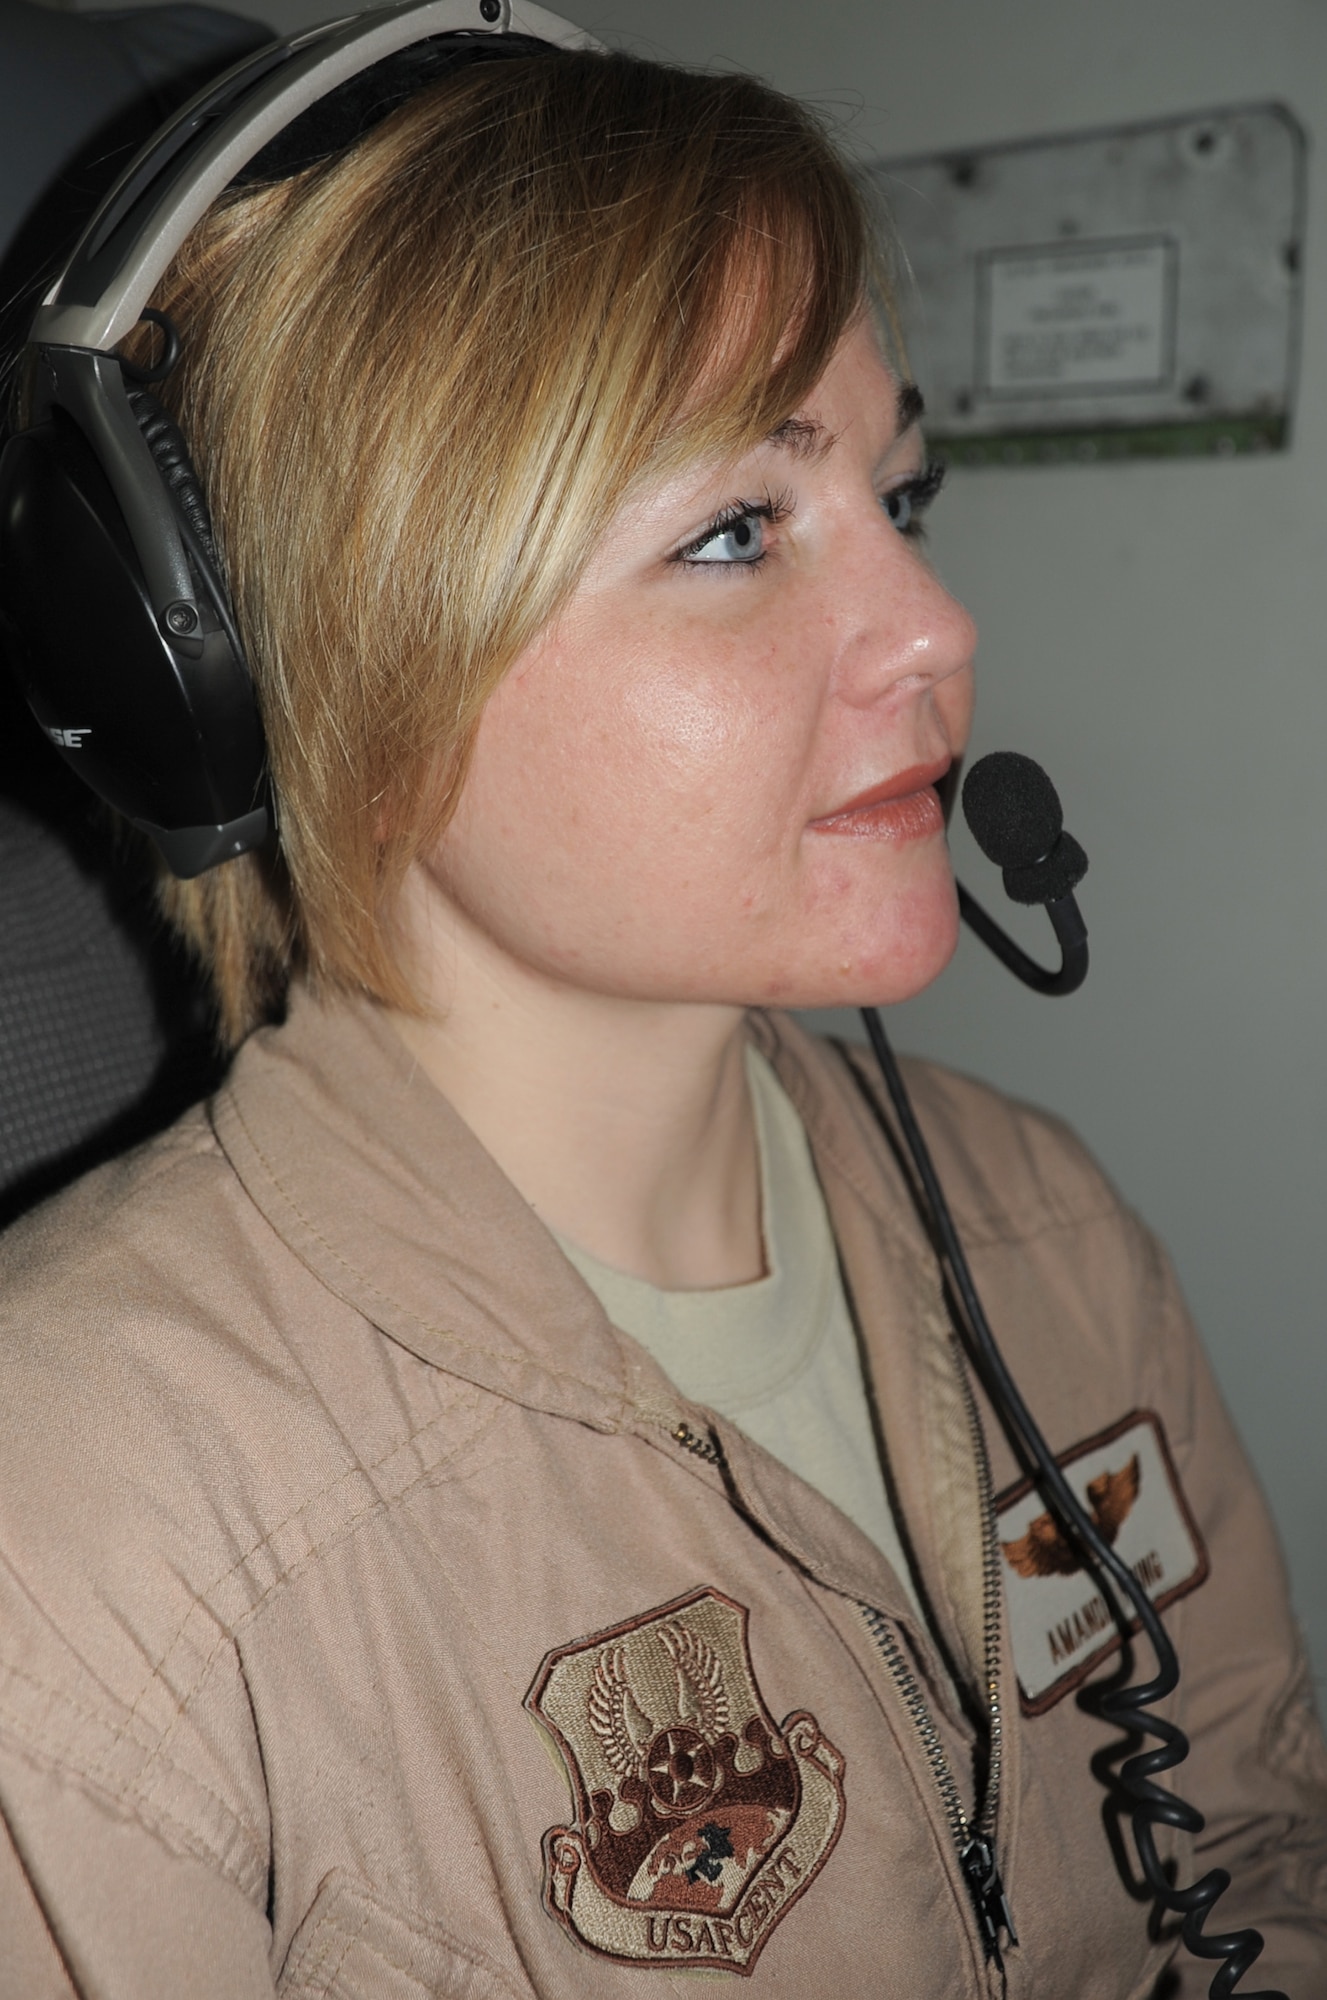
[(1060, 1622)]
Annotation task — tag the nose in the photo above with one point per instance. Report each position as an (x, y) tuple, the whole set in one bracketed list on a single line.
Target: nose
[(908, 634)]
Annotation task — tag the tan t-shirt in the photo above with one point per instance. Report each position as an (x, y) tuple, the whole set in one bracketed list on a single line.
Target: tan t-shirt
[(778, 1357)]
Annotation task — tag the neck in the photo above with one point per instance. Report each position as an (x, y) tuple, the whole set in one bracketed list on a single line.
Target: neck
[(626, 1124)]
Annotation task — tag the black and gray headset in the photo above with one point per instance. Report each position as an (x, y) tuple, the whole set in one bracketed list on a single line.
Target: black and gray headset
[(113, 605)]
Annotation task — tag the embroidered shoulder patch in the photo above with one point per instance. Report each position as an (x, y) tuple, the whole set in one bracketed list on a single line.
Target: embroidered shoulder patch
[(698, 1822), (1059, 1621)]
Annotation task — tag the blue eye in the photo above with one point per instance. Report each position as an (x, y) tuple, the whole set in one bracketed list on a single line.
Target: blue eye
[(906, 504), (899, 507), (735, 538)]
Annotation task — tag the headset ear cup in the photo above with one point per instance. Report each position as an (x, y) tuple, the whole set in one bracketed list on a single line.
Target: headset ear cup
[(165, 441)]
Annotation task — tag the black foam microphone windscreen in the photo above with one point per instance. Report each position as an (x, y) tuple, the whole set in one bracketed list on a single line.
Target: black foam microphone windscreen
[(1012, 808)]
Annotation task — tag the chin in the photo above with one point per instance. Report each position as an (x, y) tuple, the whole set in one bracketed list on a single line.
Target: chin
[(875, 967)]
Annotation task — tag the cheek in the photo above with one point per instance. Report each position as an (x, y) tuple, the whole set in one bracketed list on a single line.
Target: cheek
[(678, 726), (592, 755), (633, 812), (713, 748), (674, 731)]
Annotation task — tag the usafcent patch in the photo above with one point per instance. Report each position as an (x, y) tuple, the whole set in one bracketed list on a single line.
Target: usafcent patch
[(1059, 1621), (699, 1822)]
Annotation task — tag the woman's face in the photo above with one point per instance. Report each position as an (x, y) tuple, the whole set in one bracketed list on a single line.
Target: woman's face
[(712, 778)]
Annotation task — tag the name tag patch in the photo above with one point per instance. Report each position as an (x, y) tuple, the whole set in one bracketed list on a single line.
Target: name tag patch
[(1060, 1623)]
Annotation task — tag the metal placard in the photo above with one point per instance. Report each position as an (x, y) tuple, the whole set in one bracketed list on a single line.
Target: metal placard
[(1133, 292)]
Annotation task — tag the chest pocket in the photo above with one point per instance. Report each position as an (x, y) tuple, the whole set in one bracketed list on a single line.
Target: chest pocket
[(352, 1946)]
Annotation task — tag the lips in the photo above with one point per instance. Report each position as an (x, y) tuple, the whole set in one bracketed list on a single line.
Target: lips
[(904, 807)]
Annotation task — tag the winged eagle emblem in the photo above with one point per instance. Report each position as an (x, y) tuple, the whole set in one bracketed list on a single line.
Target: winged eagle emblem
[(1043, 1550), (625, 1731), (702, 1698)]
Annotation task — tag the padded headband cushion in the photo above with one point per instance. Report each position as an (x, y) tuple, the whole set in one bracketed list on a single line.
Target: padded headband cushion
[(363, 101)]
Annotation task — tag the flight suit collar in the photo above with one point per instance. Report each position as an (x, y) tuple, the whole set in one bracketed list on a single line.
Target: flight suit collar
[(370, 1177)]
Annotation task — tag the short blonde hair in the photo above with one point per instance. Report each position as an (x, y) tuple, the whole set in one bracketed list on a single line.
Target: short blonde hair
[(416, 380)]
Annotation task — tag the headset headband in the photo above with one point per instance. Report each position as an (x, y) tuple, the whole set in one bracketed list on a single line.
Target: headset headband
[(125, 250)]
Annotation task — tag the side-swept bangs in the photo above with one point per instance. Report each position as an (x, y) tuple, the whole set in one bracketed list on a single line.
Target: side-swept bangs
[(417, 380)]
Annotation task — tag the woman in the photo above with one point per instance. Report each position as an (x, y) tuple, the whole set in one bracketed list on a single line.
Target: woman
[(533, 1349)]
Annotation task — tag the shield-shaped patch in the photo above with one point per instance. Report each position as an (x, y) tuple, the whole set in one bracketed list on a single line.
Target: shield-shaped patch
[(699, 1823)]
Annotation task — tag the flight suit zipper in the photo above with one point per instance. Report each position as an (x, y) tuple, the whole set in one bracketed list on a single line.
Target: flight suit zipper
[(974, 1840), (698, 1446)]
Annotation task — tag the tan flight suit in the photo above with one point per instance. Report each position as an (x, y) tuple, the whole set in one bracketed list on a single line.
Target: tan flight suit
[(377, 1622)]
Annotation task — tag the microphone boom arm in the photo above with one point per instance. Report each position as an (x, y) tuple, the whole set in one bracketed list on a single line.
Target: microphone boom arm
[(1070, 929)]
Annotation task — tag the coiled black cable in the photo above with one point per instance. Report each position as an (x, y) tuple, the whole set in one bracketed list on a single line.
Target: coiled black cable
[(1127, 1708)]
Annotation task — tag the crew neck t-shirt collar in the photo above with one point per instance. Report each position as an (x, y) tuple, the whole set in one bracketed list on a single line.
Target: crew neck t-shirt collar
[(741, 1345), (779, 1356)]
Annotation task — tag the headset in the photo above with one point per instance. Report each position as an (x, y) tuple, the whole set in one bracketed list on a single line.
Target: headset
[(114, 606), (121, 628)]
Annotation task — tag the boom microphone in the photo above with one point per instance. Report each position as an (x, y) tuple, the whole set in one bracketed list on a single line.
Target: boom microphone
[(1016, 819), (1014, 813)]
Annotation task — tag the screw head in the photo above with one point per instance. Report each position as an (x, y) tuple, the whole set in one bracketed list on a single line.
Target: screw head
[(490, 9), (181, 619)]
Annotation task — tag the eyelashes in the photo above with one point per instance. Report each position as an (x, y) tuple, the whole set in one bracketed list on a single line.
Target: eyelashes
[(741, 525), (735, 538), (906, 505)]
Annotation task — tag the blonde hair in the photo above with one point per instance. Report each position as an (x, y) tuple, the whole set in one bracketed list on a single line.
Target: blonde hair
[(416, 380)]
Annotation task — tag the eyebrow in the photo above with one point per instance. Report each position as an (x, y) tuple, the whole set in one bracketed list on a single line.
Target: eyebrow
[(807, 438), (909, 406), (804, 437)]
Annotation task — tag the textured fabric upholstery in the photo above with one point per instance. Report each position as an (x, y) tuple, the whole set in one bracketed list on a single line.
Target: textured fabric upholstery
[(105, 1033), (77, 1024)]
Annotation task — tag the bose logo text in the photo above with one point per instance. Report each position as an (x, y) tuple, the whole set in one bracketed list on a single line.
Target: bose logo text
[(67, 739)]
